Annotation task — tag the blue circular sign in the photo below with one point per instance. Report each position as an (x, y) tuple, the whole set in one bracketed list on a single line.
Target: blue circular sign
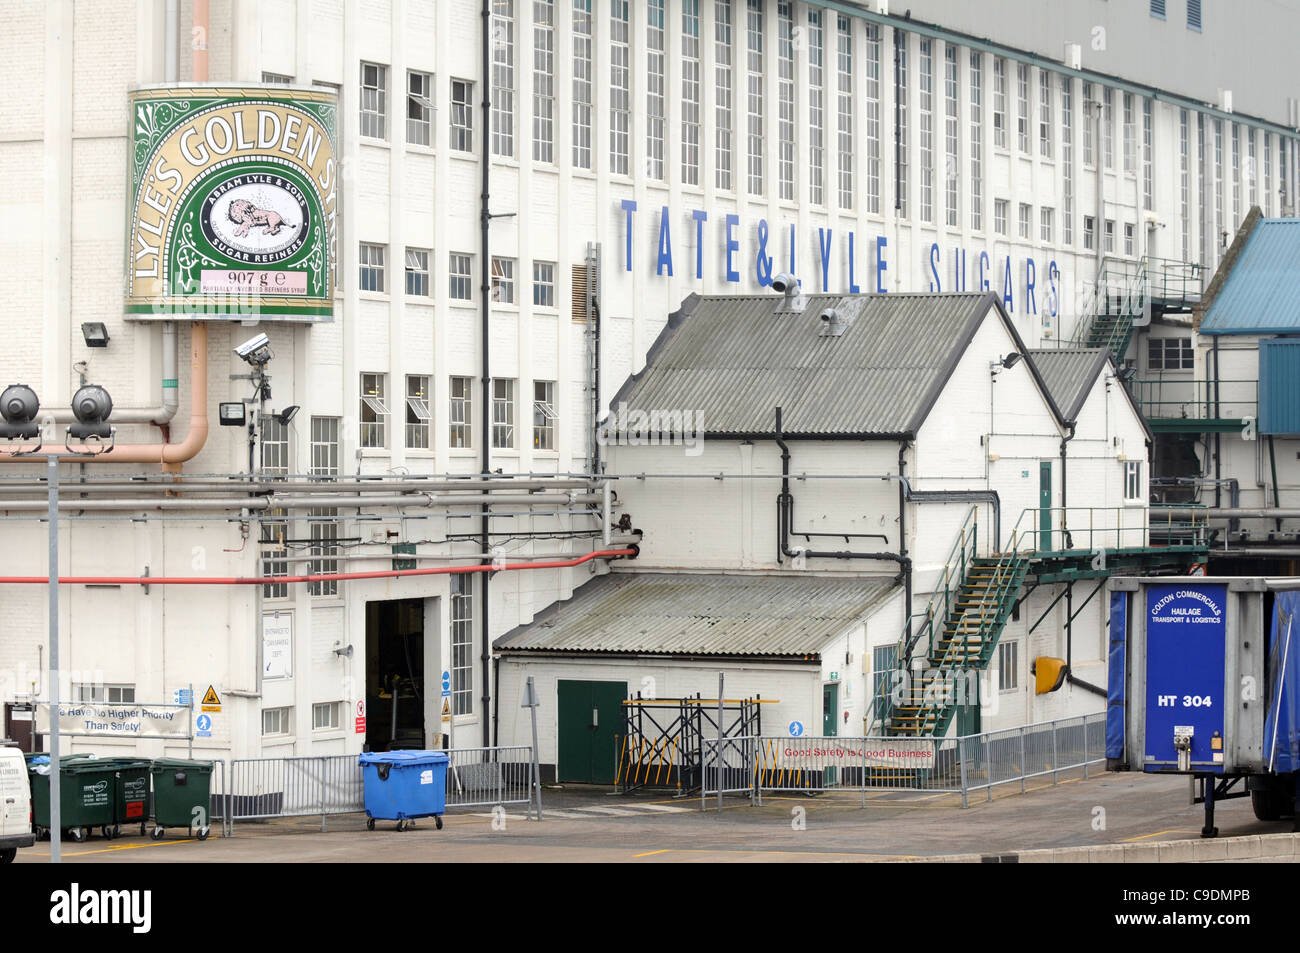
[(796, 729), (203, 723)]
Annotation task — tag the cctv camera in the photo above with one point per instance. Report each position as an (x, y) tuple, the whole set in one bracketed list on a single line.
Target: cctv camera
[(785, 283), (256, 350)]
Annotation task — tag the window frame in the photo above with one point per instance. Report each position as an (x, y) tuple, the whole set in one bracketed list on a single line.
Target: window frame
[(504, 431), (461, 120), (372, 267), (374, 103), (419, 431), (421, 102), (419, 274), (373, 400), (544, 416), (460, 413)]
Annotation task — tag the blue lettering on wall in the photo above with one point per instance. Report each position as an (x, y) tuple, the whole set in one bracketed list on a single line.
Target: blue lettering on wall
[(824, 242), (629, 206), (1008, 294), (881, 267), (792, 269), (733, 246), (1053, 296), (665, 245), (1031, 274), (700, 217), (935, 285), (853, 285), (984, 271), (763, 261)]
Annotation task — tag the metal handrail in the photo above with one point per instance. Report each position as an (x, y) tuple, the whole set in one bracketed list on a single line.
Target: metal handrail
[(1201, 400)]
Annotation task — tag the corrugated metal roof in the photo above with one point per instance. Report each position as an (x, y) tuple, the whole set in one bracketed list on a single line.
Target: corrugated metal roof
[(1262, 293), (701, 614), (1069, 374), (733, 360)]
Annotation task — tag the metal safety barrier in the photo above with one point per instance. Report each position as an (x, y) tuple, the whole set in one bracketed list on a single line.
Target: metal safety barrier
[(820, 764), (483, 777)]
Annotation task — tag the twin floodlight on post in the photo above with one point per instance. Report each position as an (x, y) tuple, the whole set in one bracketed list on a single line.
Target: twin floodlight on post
[(91, 405)]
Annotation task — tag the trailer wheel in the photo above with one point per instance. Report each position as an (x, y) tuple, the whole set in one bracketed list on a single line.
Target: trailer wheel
[(1268, 804)]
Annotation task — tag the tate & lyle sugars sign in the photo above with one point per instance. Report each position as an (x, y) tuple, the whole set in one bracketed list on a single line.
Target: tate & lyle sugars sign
[(235, 203)]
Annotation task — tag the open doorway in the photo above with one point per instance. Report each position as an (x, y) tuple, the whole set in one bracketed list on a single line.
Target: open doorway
[(395, 682)]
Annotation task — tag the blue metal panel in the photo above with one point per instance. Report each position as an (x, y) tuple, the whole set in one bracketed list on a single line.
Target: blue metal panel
[(1279, 386), (1117, 675), (1186, 645), (1262, 293), (1282, 724)]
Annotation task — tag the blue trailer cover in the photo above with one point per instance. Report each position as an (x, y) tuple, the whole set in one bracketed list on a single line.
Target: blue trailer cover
[(1116, 675), (1282, 725)]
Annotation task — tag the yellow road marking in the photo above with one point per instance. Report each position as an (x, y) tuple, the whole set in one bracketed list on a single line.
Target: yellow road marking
[(650, 853), (109, 850), (1156, 834)]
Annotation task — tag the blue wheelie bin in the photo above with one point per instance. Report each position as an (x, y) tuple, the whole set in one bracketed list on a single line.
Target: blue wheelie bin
[(403, 785)]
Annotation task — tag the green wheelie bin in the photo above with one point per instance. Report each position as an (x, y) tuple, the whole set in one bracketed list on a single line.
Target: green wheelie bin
[(130, 793), (181, 796), (86, 790)]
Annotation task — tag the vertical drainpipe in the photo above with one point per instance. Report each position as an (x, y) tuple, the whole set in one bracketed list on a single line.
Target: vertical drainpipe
[(485, 219), (902, 537), (1218, 446)]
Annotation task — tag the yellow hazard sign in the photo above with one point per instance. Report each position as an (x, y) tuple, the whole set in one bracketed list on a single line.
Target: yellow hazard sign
[(211, 700), (446, 710)]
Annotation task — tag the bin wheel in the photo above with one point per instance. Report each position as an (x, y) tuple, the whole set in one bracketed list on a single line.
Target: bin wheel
[(204, 832), (157, 833), (438, 821), (370, 823), (401, 825), (78, 834), (107, 831), (38, 832), (143, 830), (117, 831)]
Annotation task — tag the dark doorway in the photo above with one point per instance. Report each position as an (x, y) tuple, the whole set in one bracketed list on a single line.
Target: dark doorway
[(19, 724), (395, 675), (590, 721)]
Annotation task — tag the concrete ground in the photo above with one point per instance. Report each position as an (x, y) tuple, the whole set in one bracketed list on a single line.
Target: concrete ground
[(589, 824)]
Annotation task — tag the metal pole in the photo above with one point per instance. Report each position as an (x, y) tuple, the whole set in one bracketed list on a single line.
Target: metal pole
[(1022, 760), (56, 831), (537, 784), (961, 762), (323, 768), (718, 758), (191, 698)]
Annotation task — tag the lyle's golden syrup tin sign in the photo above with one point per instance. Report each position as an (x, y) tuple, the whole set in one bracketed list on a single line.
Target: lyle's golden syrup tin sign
[(235, 196)]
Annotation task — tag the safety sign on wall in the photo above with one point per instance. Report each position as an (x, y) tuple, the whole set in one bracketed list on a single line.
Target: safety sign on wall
[(203, 726), (277, 645), (211, 701), (361, 718)]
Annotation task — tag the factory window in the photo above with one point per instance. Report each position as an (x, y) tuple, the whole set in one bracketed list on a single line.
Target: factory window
[(844, 72), (785, 100), (1170, 354), (460, 410), (872, 117), (1025, 212), (1089, 233), (582, 83), (374, 101), (277, 721), (754, 95), (691, 92), (324, 446), (1067, 160), (503, 78), (1268, 176), (543, 81), (1022, 106), (503, 414), (1045, 114), (325, 716), (926, 85), (544, 415), (274, 552), (1130, 135), (1194, 15), (1158, 8), (952, 164), (1046, 225), (274, 441), (816, 110), (1218, 180), (374, 411), (722, 92), (1108, 127), (1088, 158), (976, 141), (654, 91), (417, 272), (462, 115), (105, 694), (1000, 216), (1148, 183), (1110, 236), (322, 523), (1236, 175), (620, 95), (276, 79), (419, 108), (1184, 185), (462, 643), (417, 411), (1000, 103), (544, 284), (884, 662), (1129, 235), (900, 51), (1133, 481), (1252, 169), (460, 277), (372, 267), (1008, 666), (503, 280)]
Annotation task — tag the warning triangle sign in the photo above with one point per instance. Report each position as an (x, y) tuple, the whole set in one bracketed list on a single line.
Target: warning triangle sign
[(210, 698), (446, 708)]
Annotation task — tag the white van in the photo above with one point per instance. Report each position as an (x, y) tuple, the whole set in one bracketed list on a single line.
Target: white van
[(15, 803)]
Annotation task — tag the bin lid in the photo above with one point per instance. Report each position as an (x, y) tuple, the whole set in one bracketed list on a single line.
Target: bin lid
[(411, 758), (180, 764)]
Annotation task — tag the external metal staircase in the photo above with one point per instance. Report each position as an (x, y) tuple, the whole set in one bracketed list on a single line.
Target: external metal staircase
[(1128, 293)]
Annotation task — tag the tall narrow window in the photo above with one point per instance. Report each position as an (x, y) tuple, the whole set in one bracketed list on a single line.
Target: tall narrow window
[(1184, 185), (785, 100), (462, 115), (872, 117), (544, 415), (1108, 127), (1022, 106), (372, 267), (816, 109), (322, 523), (1088, 157), (654, 90), (999, 102), (620, 90), (543, 80), (1252, 169), (1045, 130), (722, 92), (1130, 133), (952, 162), (1026, 211), (690, 92), (419, 108), (460, 277), (1218, 183), (1148, 183), (544, 284), (503, 77), (417, 412), (1047, 226), (503, 414), (462, 643), (1067, 160), (1204, 180), (1089, 233), (582, 76), (1268, 174), (844, 72), (503, 280), (754, 95), (374, 411), (904, 114), (374, 101), (927, 130), (1000, 216), (1236, 177), (976, 141), (460, 413), (417, 272)]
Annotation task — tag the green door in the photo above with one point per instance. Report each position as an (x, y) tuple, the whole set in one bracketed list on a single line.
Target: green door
[(1044, 505), (590, 716), (968, 715), (830, 713)]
